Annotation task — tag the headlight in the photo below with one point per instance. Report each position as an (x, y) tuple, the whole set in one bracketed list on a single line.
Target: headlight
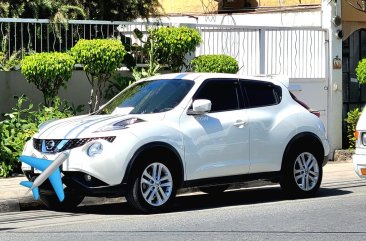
[(120, 125), (95, 149)]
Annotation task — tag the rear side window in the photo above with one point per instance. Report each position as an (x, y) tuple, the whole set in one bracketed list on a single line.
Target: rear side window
[(260, 93), (223, 94)]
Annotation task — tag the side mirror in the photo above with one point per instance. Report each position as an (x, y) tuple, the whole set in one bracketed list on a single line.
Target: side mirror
[(200, 107)]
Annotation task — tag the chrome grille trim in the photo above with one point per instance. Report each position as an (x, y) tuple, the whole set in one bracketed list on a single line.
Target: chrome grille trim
[(67, 144)]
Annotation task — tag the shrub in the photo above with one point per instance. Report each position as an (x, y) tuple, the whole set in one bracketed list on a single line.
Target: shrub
[(361, 71), (174, 43), (100, 59), (351, 120), (19, 126), (215, 64), (117, 84), (48, 71)]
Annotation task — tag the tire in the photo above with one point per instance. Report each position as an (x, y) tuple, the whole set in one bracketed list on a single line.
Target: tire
[(152, 187), (302, 172), (214, 190), (50, 200)]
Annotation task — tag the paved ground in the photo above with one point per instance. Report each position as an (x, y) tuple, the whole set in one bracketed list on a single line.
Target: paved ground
[(14, 197), (334, 214)]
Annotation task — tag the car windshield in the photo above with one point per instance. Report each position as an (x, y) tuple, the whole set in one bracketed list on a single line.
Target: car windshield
[(148, 97)]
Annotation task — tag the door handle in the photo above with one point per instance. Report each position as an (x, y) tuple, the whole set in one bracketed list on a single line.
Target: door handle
[(240, 123)]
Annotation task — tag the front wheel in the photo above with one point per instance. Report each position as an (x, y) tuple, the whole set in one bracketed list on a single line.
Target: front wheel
[(301, 173), (152, 187), (71, 201)]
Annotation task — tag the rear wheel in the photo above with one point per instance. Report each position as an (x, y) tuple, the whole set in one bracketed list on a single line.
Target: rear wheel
[(302, 172), (153, 187)]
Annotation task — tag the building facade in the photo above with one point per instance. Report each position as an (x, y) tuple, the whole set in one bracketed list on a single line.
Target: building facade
[(291, 25)]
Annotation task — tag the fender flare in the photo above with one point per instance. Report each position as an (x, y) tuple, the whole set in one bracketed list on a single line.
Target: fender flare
[(150, 146)]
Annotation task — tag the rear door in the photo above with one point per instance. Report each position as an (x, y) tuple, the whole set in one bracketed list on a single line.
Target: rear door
[(267, 123)]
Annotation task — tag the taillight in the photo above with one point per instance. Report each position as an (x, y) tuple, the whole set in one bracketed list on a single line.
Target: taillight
[(356, 134), (315, 112)]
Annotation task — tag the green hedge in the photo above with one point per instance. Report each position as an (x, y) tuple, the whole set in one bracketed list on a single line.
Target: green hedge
[(174, 43), (48, 71), (100, 59), (215, 64)]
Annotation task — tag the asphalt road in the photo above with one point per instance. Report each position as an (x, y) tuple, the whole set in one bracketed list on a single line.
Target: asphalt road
[(337, 213)]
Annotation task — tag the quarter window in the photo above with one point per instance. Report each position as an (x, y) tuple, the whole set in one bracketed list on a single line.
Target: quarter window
[(260, 93), (223, 94)]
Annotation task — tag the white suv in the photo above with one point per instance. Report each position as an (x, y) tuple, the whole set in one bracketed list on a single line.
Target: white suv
[(184, 130)]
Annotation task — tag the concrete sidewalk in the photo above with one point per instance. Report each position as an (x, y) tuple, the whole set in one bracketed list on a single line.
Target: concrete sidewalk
[(14, 197)]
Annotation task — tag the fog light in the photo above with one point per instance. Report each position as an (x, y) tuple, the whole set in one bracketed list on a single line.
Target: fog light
[(95, 149), (363, 171)]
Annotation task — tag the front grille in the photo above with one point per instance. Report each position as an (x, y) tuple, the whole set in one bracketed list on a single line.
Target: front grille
[(59, 145)]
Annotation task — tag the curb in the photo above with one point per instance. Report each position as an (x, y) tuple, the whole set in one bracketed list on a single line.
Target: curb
[(27, 202), (16, 205)]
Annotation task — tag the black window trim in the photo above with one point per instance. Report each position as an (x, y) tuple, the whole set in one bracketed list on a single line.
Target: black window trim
[(246, 98), (239, 94)]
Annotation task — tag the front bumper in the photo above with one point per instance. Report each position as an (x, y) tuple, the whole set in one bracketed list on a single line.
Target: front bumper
[(359, 162), (82, 183), (108, 166)]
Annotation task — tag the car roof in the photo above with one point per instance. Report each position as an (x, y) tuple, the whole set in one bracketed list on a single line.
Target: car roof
[(200, 77)]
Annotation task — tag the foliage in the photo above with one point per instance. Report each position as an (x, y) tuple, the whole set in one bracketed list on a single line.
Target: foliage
[(174, 43), (215, 64), (20, 125), (351, 120), (48, 71), (12, 62), (100, 59), (361, 71), (116, 85), (59, 10), (153, 66), (121, 10)]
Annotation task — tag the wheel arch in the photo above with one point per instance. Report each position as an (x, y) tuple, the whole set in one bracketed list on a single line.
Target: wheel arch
[(298, 140), (153, 148)]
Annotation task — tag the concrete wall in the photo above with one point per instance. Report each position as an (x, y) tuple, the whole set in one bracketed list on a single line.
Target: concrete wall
[(13, 83)]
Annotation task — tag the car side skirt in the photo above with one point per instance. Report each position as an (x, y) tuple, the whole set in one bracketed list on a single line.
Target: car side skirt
[(265, 176)]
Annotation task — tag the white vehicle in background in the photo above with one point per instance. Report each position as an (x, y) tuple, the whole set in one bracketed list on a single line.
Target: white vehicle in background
[(184, 130), (359, 158)]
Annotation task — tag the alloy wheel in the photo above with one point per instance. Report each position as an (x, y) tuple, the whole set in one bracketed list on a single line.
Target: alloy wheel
[(306, 171), (156, 184)]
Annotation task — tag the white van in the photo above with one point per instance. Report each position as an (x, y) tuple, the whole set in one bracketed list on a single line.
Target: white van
[(359, 158)]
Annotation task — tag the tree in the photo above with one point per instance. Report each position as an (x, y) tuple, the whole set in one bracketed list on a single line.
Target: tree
[(56, 10), (48, 71), (100, 59), (60, 10), (174, 43)]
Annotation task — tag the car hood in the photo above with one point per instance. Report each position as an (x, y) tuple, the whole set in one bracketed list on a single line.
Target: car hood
[(85, 126)]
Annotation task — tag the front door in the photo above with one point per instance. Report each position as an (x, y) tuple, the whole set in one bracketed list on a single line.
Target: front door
[(217, 143)]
